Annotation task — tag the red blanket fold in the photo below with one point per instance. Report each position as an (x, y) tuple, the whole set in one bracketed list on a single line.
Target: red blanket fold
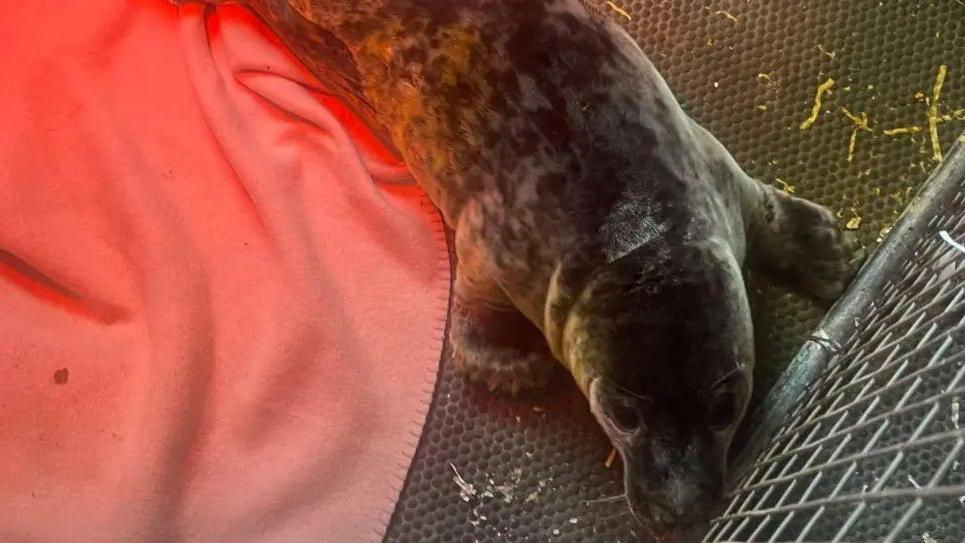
[(221, 305)]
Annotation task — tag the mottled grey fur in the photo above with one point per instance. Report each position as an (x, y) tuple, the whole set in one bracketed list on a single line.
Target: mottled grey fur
[(596, 223)]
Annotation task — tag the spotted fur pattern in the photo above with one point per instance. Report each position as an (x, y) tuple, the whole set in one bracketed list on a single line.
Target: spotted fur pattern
[(596, 223), (535, 124)]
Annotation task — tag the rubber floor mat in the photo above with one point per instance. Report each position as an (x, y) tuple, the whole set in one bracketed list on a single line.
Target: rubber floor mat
[(890, 78)]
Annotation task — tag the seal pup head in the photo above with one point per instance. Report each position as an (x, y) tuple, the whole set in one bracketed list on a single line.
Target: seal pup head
[(661, 343)]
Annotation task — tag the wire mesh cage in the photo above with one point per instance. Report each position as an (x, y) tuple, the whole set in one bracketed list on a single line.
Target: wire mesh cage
[(864, 438)]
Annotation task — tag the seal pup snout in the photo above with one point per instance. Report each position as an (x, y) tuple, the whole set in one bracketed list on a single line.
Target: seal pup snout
[(664, 345), (678, 484), (674, 463)]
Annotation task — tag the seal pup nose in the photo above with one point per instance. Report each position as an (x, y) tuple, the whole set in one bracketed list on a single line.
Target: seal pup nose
[(677, 499), (686, 499)]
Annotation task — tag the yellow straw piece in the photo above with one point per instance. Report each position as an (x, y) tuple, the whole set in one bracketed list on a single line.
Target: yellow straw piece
[(611, 458), (619, 10), (860, 123), (902, 130), (726, 14), (816, 110), (936, 146)]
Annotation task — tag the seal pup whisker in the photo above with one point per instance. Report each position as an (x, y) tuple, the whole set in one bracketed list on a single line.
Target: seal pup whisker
[(608, 499)]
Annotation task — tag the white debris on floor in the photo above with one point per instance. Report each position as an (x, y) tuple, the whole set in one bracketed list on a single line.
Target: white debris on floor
[(508, 490), (948, 239), (534, 495), (956, 411), (478, 494), (466, 490)]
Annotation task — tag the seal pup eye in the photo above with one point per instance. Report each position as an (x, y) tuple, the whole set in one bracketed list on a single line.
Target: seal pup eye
[(618, 410), (722, 410), (625, 415), (722, 400)]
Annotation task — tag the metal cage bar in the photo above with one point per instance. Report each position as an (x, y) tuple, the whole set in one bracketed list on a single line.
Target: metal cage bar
[(863, 438)]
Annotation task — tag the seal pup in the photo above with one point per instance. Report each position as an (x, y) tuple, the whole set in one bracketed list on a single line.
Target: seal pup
[(596, 224)]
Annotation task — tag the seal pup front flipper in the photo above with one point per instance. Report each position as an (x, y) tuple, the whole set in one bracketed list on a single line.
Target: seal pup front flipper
[(794, 239), (801, 243), (493, 343)]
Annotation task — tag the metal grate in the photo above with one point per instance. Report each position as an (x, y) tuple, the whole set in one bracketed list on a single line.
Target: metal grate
[(874, 448)]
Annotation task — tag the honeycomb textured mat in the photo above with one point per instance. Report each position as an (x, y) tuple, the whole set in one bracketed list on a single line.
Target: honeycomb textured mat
[(875, 451), (533, 468)]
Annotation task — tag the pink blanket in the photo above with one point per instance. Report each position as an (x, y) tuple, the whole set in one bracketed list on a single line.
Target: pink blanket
[(221, 306)]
